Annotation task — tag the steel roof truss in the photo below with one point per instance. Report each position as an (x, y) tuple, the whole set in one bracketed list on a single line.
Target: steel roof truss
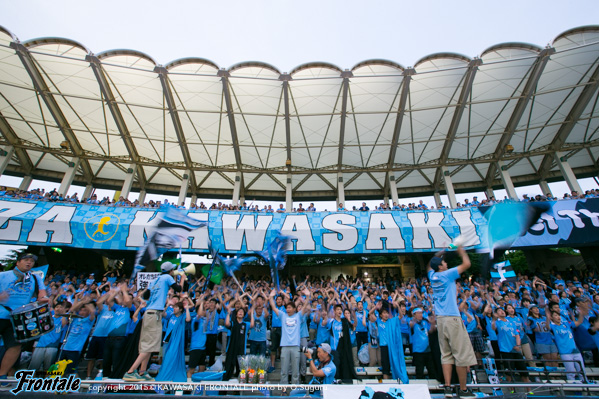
[(42, 89)]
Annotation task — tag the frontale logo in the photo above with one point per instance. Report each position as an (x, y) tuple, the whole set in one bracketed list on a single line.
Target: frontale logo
[(28, 383), (102, 228)]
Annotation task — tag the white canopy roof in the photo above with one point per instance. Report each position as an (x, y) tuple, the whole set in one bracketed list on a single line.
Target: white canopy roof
[(59, 100)]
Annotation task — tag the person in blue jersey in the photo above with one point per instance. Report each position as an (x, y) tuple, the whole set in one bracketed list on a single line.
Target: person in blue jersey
[(78, 331), (304, 335), (510, 347), (275, 331), (374, 350), (213, 315), (453, 338), (290, 338), (361, 325), (197, 347), (474, 330), (543, 338), (46, 351), (420, 329), (324, 372), (17, 288), (119, 301), (323, 333), (95, 347), (257, 339), (561, 328), (150, 339), (235, 321), (516, 319), (173, 359), (336, 326), (381, 326)]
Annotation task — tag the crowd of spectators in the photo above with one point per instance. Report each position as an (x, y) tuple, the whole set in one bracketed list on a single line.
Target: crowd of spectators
[(546, 317), (54, 196)]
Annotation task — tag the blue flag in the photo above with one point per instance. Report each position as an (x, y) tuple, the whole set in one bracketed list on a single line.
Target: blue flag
[(172, 230)]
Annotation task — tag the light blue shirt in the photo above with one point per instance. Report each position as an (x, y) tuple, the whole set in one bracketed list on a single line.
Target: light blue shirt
[(445, 292), (159, 291), (290, 329), (19, 293)]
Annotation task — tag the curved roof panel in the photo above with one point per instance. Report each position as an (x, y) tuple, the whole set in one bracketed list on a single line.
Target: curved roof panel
[(451, 112)]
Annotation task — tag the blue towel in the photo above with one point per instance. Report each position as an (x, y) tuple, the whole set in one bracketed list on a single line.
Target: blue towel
[(173, 363)]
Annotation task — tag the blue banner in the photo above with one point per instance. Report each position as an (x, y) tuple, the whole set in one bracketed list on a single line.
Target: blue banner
[(569, 223)]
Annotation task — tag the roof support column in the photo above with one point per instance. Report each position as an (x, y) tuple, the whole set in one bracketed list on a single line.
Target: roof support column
[(340, 189), (194, 199), (437, 196), (89, 189), (69, 175), (490, 192), (5, 156), (393, 188), (46, 94), (587, 94), (529, 88), (453, 202), (172, 107), (545, 189), (128, 182), (507, 180), (288, 194), (25, 183), (564, 167), (142, 197), (401, 110), (236, 188), (183, 189), (457, 117)]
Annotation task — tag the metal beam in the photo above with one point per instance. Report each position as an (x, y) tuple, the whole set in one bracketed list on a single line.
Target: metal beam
[(224, 75), (170, 102), (529, 88), (457, 117), (345, 90), (566, 128), (44, 91), (116, 115), (286, 78), (390, 185), (12, 139), (401, 110)]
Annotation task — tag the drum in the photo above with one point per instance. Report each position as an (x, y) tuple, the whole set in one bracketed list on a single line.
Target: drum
[(31, 321)]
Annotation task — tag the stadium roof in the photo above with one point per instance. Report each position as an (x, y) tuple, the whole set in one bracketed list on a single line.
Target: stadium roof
[(119, 112)]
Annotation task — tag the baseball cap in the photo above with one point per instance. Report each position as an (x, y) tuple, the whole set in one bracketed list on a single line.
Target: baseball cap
[(27, 255), (326, 348), (436, 262), (167, 267)]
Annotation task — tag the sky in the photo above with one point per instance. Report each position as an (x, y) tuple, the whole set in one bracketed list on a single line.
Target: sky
[(287, 34)]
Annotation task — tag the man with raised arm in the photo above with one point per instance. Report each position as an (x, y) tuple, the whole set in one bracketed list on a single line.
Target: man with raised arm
[(453, 338)]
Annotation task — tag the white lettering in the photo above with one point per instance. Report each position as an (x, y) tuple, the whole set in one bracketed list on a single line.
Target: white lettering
[(12, 230), (199, 237), (572, 214), (547, 219), (140, 228), (591, 215), (428, 233), (298, 227), (254, 232), (58, 221), (344, 237), (467, 227), (382, 227)]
